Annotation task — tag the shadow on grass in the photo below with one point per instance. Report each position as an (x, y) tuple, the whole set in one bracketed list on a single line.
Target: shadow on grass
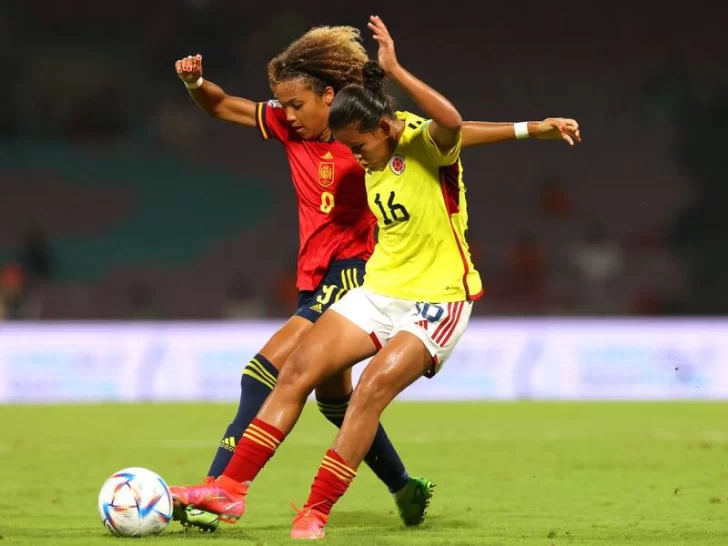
[(360, 519)]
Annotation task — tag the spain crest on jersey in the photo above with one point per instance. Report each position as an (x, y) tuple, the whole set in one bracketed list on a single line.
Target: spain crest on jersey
[(326, 173)]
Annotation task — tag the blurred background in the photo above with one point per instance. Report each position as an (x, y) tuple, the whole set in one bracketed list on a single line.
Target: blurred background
[(119, 199), (147, 252)]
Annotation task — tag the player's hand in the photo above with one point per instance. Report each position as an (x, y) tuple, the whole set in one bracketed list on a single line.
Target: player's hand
[(558, 128), (386, 56), (189, 69)]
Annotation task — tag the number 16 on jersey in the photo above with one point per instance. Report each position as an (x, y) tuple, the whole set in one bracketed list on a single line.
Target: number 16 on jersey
[(397, 212)]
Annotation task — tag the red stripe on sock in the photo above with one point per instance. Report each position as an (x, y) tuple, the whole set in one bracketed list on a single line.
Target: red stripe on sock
[(250, 456), (270, 429), (327, 487)]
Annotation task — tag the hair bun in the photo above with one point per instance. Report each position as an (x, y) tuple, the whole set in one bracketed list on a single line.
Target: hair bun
[(373, 76)]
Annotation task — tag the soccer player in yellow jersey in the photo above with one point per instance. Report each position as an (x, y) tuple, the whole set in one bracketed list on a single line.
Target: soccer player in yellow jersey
[(420, 282), (420, 278)]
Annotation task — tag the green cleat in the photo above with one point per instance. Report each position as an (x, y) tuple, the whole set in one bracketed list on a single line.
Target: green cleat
[(189, 516), (413, 499)]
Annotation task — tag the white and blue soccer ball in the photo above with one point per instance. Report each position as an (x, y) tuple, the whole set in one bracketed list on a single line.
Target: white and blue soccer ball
[(135, 502)]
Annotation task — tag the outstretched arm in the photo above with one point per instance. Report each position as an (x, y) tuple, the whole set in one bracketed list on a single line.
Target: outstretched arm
[(476, 133), (211, 98), (446, 120)]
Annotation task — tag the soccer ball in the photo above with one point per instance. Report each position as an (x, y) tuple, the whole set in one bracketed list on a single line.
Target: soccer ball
[(135, 502)]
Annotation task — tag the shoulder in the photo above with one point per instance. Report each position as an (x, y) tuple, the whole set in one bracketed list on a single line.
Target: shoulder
[(416, 142), (276, 121), (275, 109), (412, 121), (414, 126)]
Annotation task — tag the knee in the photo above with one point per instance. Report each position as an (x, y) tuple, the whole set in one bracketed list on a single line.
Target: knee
[(373, 392), (296, 376), (337, 387)]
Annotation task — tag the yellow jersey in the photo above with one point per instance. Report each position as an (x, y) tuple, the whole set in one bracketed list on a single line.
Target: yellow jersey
[(419, 201)]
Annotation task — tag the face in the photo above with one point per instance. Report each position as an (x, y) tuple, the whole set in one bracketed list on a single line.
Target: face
[(372, 149), (306, 111)]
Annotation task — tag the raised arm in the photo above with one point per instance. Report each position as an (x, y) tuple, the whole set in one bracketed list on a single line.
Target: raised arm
[(446, 120), (211, 98), (477, 133)]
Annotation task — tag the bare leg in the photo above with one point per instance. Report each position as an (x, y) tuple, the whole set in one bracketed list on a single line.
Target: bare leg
[(397, 366), (332, 346)]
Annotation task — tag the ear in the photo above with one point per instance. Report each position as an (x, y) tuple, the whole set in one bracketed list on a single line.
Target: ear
[(328, 95), (385, 125)]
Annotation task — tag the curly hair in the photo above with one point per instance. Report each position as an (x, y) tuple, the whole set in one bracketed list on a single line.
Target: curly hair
[(323, 57)]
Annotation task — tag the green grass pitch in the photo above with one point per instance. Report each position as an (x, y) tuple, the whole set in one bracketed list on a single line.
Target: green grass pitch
[(527, 473)]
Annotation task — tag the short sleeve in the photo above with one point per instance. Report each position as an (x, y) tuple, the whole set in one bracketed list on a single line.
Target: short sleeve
[(270, 118), (432, 150)]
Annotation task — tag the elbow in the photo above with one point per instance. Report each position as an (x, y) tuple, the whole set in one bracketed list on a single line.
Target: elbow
[(458, 124), (453, 122)]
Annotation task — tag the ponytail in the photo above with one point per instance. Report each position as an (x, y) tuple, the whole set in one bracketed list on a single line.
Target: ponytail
[(364, 104)]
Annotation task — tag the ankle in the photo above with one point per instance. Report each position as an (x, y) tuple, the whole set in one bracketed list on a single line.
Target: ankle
[(401, 486), (317, 511), (323, 516), (232, 486)]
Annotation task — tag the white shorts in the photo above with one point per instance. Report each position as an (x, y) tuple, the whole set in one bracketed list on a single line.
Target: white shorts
[(438, 325)]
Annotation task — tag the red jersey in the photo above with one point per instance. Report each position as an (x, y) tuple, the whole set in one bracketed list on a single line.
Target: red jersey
[(334, 220)]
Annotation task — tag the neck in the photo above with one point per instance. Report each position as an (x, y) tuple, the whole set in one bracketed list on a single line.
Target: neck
[(398, 129), (325, 136)]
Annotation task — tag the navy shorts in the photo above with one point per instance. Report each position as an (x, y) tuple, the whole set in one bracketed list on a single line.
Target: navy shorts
[(343, 275)]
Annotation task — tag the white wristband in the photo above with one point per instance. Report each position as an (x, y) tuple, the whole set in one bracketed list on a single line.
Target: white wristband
[(521, 130), (194, 85)]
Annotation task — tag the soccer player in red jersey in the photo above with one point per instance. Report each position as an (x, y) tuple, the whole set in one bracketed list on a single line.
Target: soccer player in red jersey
[(335, 224)]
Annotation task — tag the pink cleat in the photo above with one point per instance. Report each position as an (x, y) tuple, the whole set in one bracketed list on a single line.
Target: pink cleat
[(223, 496), (309, 524)]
